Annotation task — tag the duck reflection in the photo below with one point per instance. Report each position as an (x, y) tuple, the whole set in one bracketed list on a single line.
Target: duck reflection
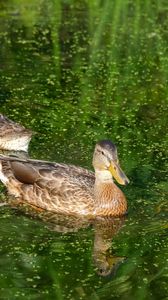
[(105, 228)]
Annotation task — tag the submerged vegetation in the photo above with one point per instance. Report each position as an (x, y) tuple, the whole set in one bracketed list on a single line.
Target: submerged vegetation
[(75, 72)]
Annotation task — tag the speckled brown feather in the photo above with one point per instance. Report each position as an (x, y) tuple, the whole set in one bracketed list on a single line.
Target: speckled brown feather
[(56, 187), (117, 203)]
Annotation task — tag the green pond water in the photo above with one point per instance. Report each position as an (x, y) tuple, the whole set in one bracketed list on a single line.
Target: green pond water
[(75, 72)]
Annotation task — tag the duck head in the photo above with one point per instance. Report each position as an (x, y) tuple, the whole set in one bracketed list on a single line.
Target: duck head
[(105, 160)]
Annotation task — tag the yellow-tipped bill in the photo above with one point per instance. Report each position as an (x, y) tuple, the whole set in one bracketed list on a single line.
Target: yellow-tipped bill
[(117, 173)]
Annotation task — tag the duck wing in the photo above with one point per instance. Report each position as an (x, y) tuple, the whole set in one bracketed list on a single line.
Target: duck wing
[(51, 186), (32, 172)]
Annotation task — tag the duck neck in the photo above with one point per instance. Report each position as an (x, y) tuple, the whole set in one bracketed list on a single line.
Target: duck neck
[(109, 198), (103, 187), (103, 177)]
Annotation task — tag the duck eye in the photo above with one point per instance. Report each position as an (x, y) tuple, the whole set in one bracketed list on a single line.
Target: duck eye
[(102, 152)]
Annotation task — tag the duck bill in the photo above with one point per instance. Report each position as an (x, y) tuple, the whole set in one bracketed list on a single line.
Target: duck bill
[(118, 174)]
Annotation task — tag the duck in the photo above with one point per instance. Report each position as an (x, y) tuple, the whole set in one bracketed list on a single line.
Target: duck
[(13, 136), (68, 189)]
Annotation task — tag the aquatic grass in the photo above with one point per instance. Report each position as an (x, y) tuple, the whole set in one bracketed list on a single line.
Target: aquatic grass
[(76, 72)]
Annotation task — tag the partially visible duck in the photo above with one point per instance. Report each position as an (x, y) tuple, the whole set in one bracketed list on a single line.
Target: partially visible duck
[(13, 136)]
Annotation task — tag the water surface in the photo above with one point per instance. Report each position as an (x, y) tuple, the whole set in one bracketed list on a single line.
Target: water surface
[(76, 72)]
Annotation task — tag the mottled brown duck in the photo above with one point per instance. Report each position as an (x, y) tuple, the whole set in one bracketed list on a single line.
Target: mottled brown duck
[(69, 189), (13, 136)]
